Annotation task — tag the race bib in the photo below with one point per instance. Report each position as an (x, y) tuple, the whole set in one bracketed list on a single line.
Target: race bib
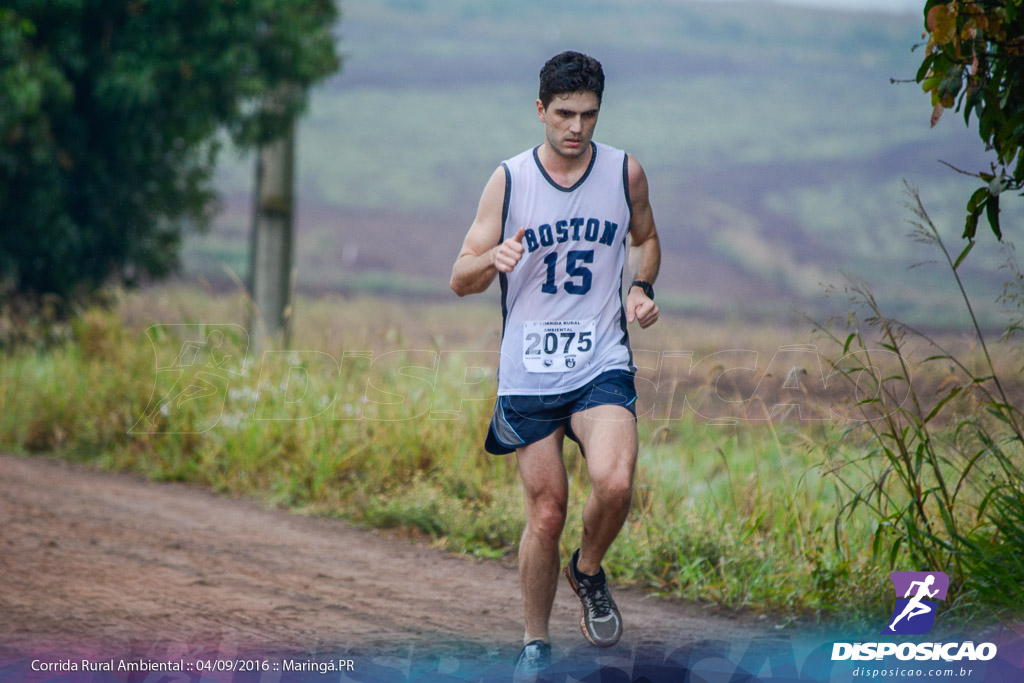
[(557, 346)]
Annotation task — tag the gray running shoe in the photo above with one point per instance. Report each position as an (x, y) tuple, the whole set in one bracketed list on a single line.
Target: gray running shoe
[(600, 621), (535, 657)]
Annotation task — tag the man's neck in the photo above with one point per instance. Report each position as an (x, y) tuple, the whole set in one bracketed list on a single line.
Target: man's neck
[(564, 170)]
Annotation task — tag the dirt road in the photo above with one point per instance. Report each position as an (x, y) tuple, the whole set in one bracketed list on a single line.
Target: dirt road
[(102, 563)]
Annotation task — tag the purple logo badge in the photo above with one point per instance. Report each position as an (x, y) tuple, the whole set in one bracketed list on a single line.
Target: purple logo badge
[(916, 593)]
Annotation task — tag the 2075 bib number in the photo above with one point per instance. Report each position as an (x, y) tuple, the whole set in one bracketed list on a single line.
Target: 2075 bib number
[(557, 346)]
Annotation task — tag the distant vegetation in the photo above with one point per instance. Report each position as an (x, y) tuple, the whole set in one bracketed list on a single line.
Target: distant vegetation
[(754, 491), (775, 143), (109, 114)]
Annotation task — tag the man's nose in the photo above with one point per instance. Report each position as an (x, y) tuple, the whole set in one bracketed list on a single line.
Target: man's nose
[(576, 124)]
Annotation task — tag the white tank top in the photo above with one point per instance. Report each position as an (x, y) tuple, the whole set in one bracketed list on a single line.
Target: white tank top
[(564, 323)]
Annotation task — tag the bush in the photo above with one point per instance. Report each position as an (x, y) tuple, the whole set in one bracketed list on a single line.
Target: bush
[(944, 466)]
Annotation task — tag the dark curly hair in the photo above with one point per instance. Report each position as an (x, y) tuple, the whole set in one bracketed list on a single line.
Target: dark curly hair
[(570, 72)]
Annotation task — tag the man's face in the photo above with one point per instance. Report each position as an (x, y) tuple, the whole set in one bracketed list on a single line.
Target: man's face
[(569, 122)]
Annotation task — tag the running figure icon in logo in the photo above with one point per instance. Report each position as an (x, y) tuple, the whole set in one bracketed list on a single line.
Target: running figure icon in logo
[(914, 610)]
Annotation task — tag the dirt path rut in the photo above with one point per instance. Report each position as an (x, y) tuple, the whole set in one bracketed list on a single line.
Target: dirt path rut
[(102, 562)]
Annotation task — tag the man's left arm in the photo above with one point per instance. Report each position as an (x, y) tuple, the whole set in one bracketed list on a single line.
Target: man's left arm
[(645, 247)]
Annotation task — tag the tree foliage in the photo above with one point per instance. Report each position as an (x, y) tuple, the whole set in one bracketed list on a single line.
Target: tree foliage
[(109, 120), (974, 62)]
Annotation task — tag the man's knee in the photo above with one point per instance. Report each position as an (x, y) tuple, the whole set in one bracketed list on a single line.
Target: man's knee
[(547, 518), (615, 486)]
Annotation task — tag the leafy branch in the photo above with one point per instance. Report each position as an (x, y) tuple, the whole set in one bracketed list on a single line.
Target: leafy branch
[(972, 63)]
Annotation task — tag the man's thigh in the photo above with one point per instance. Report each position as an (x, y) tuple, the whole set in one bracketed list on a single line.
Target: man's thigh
[(607, 436), (542, 469)]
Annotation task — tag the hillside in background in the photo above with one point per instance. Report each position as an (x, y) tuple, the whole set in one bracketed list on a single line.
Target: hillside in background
[(774, 141)]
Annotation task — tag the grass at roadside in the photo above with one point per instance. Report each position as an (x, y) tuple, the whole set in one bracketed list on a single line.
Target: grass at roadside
[(377, 414)]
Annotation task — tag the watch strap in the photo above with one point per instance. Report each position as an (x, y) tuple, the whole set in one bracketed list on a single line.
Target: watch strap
[(646, 286)]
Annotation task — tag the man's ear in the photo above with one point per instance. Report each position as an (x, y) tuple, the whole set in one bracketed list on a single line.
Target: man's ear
[(540, 111)]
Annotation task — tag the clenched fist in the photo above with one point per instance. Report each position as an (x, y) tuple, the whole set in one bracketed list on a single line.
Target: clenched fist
[(508, 253), (640, 308)]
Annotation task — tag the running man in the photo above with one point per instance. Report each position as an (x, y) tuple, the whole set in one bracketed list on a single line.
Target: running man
[(553, 224), (916, 607)]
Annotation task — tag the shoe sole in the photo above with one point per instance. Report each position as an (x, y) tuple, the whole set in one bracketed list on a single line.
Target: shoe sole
[(583, 613)]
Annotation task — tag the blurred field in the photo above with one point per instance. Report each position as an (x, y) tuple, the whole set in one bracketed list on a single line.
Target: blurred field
[(378, 410), (775, 144)]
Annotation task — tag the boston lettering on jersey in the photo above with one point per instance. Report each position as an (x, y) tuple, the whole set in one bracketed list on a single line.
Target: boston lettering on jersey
[(575, 229)]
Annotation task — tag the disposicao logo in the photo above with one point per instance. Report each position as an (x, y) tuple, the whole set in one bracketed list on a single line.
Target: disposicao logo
[(914, 611), (914, 614)]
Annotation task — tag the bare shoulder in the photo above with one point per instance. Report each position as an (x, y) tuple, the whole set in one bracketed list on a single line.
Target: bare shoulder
[(485, 231), (493, 196), (497, 177), (638, 190)]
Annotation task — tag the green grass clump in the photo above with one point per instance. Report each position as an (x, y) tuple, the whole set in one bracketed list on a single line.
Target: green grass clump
[(379, 420), (937, 469)]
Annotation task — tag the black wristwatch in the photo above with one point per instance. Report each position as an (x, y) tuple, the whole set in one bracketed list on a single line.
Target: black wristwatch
[(646, 286)]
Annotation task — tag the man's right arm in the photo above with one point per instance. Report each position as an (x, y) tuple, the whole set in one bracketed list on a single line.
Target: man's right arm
[(483, 253)]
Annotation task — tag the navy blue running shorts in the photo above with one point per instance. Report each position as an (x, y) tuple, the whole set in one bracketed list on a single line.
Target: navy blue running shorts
[(522, 420)]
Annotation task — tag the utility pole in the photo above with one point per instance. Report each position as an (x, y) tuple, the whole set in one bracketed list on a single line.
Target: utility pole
[(270, 250)]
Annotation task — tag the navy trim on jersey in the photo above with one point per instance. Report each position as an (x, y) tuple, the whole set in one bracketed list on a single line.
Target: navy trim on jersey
[(503, 283), (625, 185), (508, 198), (622, 320), (593, 158), (502, 277)]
